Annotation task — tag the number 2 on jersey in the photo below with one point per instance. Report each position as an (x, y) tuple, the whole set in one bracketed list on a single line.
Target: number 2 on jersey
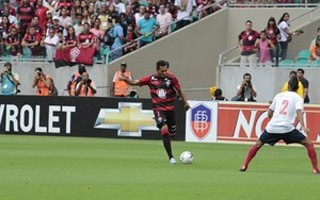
[(284, 107)]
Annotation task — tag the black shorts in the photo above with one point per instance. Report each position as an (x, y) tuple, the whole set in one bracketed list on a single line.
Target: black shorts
[(293, 136), (166, 118)]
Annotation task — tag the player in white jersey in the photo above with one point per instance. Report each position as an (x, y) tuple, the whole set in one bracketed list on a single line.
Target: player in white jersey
[(285, 107)]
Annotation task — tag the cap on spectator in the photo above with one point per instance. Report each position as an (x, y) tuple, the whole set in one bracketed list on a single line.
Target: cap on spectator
[(55, 18), (123, 64)]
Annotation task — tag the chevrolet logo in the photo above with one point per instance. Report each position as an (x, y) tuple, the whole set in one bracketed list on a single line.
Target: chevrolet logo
[(129, 119)]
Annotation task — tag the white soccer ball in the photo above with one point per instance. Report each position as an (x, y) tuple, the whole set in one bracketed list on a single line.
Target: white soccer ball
[(186, 157)]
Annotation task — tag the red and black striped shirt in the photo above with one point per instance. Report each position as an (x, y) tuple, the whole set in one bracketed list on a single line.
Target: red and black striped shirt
[(163, 90)]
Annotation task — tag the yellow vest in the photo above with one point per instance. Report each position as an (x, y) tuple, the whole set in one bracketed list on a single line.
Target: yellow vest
[(299, 90)]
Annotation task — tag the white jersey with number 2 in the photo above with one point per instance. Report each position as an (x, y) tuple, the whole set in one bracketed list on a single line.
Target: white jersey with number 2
[(284, 108)]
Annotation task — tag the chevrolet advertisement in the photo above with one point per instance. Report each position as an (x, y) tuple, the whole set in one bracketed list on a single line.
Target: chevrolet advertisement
[(81, 116)]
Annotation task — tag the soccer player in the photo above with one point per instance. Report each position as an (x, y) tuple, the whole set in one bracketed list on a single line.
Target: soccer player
[(164, 87), (283, 111)]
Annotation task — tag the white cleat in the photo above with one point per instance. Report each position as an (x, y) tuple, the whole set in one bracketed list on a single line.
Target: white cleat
[(172, 161)]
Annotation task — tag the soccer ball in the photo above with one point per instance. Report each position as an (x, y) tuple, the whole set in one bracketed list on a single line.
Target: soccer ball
[(186, 157)]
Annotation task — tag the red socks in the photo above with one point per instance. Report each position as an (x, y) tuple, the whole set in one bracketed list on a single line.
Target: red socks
[(252, 152), (313, 156)]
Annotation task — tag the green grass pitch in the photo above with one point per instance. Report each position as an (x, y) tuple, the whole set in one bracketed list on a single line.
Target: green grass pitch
[(71, 168)]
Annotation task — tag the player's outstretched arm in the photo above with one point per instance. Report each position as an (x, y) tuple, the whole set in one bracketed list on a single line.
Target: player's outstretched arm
[(129, 81), (184, 99), (300, 118)]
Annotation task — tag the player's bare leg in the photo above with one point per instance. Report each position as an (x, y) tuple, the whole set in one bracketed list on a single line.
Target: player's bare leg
[(312, 154), (251, 154)]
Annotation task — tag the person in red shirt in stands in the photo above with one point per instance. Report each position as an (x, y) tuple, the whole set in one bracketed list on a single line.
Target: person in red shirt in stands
[(8, 9), (13, 42), (25, 14), (32, 41), (86, 38), (41, 12)]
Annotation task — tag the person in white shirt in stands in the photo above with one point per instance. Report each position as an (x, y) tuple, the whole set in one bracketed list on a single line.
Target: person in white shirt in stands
[(185, 9), (164, 20), (284, 109), (51, 42), (120, 7)]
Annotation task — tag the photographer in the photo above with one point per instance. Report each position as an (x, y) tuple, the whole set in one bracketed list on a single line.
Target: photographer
[(86, 86), (246, 91), (44, 83), (9, 80)]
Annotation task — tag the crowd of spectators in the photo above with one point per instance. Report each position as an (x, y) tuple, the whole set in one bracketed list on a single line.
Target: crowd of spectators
[(37, 28)]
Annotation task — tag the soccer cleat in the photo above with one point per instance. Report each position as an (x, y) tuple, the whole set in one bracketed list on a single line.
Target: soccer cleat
[(243, 169), (172, 161), (316, 171)]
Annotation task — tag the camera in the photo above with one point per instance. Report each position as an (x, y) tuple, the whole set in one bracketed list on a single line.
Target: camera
[(39, 73), (89, 81)]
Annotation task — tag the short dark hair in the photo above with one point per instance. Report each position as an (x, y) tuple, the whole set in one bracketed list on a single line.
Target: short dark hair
[(293, 72), (8, 64), (217, 92), (300, 70), (38, 69), (246, 74), (162, 63), (249, 21), (293, 83)]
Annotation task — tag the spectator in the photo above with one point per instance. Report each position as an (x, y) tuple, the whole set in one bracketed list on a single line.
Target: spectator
[(313, 42), (13, 42), (284, 31), (119, 7), (305, 84), (70, 40), (25, 13), (78, 26), (31, 42), (43, 82), (119, 39), (75, 79), (77, 8), (41, 12), (50, 4), (99, 37), (265, 47), (7, 9), (104, 17), (12, 19), (39, 30), (64, 19), (147, 27), (139, 15), (300, 89), (57, 27), (86, 86), (86, 17), (51, 42), (131, 44), (246, 90), (86, 38), (9, 80), (247, 43), (164, 20), (315, 50), (119, 87), (273, 34), (49, 21), (185, 9)]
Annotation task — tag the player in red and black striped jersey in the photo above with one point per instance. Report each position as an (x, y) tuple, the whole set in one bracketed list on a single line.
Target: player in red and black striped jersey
[(164, 90)]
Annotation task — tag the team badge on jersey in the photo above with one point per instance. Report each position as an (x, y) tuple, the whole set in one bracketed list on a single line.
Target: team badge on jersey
[(200, 120)]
